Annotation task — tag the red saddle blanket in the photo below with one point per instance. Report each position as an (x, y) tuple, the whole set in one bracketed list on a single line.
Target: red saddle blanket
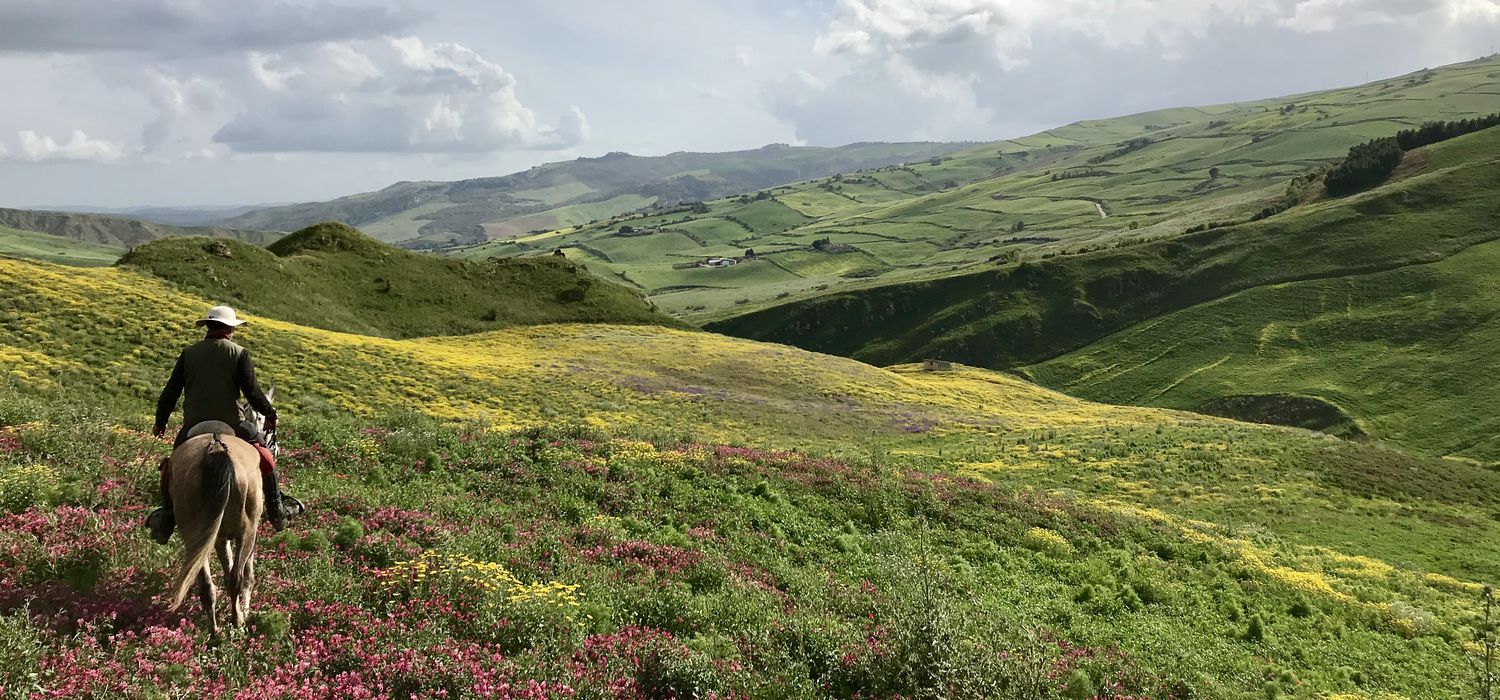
[(267, 460)]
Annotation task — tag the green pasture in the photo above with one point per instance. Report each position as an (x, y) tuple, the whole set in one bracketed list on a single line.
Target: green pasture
[(56, 249)]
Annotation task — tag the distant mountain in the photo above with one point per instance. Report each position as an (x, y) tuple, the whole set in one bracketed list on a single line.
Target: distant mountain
[(114, 231), (209, 215), (555, 195)]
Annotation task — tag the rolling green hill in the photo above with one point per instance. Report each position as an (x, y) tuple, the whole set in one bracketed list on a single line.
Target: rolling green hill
[(332, 276), (115, 232), (1407, 262), (555, 195), (1083, 187), (1406, 351), (644, 512)]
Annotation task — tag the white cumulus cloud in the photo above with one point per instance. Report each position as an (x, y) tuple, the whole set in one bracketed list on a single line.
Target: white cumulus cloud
[(891, 69), (389, 95), (35, 148)]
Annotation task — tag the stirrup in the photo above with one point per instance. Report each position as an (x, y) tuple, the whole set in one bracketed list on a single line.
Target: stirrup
[(161, 522), (290, 506)]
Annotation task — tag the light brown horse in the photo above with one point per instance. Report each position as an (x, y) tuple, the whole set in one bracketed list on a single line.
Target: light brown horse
[(217, 491)]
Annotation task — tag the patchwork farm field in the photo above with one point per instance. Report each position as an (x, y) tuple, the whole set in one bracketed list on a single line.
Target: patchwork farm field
[(1084, 187), (1375, 308), (642, 512)]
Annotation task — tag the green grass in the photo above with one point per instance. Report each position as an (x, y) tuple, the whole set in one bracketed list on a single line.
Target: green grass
[(1405, 351), (766, 573), (331, 276), (825, 513), (1124, 297), (45, 246), (654, 247)]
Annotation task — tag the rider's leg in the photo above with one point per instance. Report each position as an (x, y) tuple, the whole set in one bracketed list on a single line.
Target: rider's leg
[(278, 506), (163, 520)]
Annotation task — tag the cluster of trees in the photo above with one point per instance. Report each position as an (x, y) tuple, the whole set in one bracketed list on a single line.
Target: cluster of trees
[(1070, 174), (1433, 132), (1367, 165), (1208, 226), (1373, 161), (1134, 144), (759, 196)]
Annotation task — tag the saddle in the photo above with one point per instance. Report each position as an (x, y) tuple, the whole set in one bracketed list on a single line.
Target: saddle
[(217, 427)]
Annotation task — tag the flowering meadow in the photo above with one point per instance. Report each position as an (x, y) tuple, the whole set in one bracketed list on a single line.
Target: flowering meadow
[(605, 511), (448, 561)]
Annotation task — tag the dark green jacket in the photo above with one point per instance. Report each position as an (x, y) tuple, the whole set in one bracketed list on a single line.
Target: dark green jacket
[(213, 373)]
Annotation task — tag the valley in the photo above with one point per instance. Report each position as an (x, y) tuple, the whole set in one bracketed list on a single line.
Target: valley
[(1036, 198), (1128, 408)]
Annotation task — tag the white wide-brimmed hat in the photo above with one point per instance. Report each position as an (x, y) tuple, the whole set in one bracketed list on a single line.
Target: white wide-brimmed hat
[(221, 314)]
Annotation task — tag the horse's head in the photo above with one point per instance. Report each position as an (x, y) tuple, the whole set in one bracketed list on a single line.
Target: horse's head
[(254, 423)]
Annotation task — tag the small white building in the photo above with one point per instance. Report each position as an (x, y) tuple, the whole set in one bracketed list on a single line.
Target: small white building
[(720, 262)]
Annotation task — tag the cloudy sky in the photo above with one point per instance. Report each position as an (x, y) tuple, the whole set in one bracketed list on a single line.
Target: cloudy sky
[(171, 102)]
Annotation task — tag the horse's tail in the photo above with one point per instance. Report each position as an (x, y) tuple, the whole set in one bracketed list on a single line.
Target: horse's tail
[(215, 480)]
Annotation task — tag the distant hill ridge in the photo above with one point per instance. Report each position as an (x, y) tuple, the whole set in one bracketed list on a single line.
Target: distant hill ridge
[(1377, 304), (1087, 186), (114, 231), (428, 214), (331, 276)]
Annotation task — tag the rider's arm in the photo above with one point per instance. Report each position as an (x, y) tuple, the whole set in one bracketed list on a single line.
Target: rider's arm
[(251, 389), (169, 395)]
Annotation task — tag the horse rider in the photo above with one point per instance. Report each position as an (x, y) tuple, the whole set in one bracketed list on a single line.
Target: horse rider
[(213, 372)]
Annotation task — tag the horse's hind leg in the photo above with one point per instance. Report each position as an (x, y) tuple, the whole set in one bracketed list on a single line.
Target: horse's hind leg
[(244, 579), (226, 563), (206, 595)]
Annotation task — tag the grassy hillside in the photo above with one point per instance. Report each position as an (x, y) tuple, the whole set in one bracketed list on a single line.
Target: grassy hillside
[(973, 514), (1083, 187), (435, 214), (115, 232), (332, 276), (205, 215), (1024, 313), (56, 249), (1405, 351)]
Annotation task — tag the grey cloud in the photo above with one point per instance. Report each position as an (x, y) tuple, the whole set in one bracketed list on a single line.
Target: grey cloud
[(177, 27)]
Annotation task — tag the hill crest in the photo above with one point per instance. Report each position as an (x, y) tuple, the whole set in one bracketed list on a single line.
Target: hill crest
[(332, 276), (430, 214)]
